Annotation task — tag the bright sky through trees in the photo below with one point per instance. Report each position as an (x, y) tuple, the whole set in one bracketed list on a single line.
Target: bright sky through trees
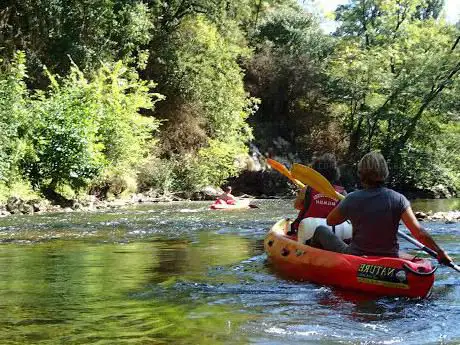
[(452, 10)]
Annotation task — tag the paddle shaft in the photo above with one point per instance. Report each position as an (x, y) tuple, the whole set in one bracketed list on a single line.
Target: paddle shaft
[(426, 249), (417, 243)]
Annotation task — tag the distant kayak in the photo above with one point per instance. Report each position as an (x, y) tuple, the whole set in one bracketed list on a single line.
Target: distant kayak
[(384, 276), (238, 205)]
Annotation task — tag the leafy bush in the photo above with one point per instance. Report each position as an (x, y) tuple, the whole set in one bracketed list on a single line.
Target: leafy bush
[(19, 188), (14, 117), (208, 83), (64, 135), (156, 174), (216, 162), (84, 129)]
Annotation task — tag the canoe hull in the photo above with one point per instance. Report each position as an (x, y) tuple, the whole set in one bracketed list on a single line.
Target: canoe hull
[(240, 205), (381, 276)]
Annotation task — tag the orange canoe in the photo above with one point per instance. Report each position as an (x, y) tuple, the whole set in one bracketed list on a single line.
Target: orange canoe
[(240, 204), (382, 276)]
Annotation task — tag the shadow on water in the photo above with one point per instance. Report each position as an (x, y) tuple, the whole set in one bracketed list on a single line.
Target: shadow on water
[(181, 274)]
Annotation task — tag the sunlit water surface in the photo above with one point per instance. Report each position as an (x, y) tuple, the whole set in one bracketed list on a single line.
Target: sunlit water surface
[(180, 273)]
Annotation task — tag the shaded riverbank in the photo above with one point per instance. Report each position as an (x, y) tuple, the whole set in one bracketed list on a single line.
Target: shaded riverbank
[(441, 210)]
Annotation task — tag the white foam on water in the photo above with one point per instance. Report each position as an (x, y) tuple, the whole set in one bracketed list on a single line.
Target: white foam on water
[(190, 210), (276, 330)]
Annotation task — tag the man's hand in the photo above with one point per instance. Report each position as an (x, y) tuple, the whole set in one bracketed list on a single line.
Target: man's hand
[(443, 258)]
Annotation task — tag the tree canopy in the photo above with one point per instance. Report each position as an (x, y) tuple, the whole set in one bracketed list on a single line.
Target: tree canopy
[(106, 96)]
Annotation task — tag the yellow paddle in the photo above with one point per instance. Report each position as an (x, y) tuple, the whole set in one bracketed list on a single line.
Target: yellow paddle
[(284, 171), (314, 179)]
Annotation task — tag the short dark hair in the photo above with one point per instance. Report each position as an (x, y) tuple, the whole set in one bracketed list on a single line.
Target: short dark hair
[(326, 165), (373, 169), (228, 189)]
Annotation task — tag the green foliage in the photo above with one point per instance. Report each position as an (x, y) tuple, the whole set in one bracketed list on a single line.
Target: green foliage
[(393, 78), (287, 74), (85, 128), (19, 188), (157, 174), (14, 117), (89, 31), (64, 135), (216, 162), (214, 79), (293, 32), (123, 132), (205, 100)]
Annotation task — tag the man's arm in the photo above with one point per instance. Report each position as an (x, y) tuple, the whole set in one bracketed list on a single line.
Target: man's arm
[(335, 217)]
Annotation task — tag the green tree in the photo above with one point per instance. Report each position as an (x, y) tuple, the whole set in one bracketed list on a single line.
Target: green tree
[(84, 128), (287, 74), (206, 106), (89, 31), (14, 117), (392, 75)]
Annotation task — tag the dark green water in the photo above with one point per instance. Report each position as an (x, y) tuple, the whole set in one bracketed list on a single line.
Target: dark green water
[(182, 274), (436, 205)]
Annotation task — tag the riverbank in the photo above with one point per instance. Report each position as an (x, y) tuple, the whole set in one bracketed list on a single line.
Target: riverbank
[(16, 205), (448, 217)]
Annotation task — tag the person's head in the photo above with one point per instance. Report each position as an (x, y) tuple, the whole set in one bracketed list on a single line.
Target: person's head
[(326, 165), (228, 189), (373, 169)]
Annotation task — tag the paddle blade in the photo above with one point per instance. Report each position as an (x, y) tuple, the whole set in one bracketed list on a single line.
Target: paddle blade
[(315, 180), (283, 170), (278, 167)]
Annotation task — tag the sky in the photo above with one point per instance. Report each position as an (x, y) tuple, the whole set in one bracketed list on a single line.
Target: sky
[(452, 10)]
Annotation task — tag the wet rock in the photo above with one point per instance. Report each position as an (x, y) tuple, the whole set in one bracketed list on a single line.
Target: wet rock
[(26, 208), (449, 217), (176, 197), (37, 205), (88, 201), (77, 206), (421, 215), (207, 193), (152, 194), (13, 203)]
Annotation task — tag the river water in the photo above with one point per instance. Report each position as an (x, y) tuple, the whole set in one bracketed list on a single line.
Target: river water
[(181, 274)]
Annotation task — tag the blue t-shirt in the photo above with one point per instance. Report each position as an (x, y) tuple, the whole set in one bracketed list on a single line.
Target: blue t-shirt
[(375, 214)]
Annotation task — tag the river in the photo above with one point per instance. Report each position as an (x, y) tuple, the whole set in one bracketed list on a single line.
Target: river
[(181, 274)]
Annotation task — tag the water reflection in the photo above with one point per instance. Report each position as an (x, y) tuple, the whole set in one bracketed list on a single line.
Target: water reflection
[(84, 293)]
